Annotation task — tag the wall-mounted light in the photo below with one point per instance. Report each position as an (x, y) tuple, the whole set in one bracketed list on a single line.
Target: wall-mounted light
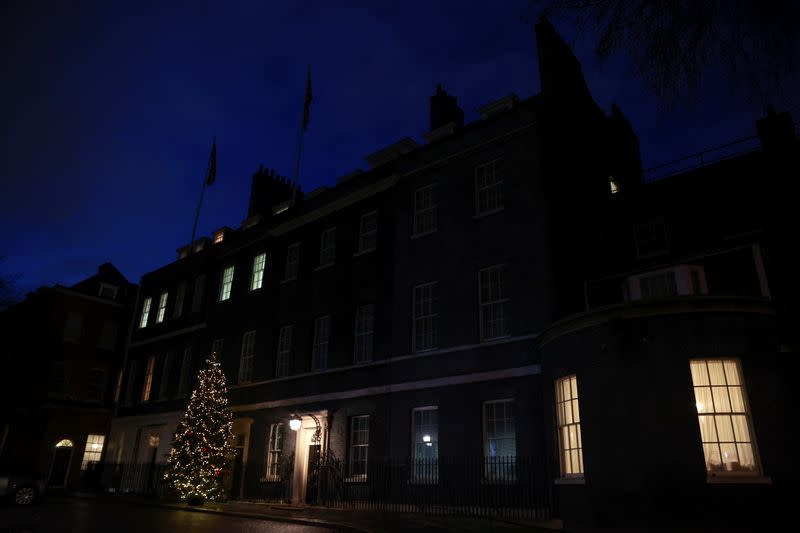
[(294, 423)]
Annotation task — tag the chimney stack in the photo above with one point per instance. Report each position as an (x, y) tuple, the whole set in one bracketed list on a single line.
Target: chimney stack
[(445, 110)]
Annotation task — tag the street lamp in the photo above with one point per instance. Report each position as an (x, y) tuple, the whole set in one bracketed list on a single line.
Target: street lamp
[(294, 425)]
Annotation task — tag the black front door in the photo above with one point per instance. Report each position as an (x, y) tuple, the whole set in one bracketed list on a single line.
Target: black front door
[(236, 480), (60, 467), (312, 483)]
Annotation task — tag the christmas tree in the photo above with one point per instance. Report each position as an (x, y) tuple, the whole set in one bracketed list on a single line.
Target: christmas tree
[(203, 446)]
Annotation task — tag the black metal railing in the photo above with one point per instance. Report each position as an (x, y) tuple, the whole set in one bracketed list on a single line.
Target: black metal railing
[(128, 478)]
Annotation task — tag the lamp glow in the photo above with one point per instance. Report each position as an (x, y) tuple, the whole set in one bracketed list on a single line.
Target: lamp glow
[(294, 424), (426, 438)]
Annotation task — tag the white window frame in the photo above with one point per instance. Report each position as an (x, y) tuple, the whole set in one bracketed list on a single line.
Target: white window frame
[(426, 210), (364, 334), (495, 302), (275, 441), (283, 360), (226, 283), (496, 187), (259, 266), (162, 307), (321, 344), (327, 247), (429, 319), (247, 357), (722, 402), (499, 469), (94, 454), (180, 296), (353, 446), (429, 467), (145, 312), (148, 378), (568, 424), (368, 237), (292, 266)]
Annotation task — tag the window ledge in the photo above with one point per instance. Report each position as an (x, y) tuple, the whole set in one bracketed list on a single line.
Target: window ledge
[(425, 234), (364, 252), (738, 480), (487, 213), (323, 267), (356, 479), (269, 479), (494, 339), (288, 280), (577, 480)]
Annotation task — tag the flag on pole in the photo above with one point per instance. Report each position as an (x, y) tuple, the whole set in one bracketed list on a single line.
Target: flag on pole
[(307, 104), (212, 164)]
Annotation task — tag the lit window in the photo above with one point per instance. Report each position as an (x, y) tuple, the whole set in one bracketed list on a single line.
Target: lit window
[(145, 312), (275, 452), (327, 247), (725, 424), (494, 320), (319, 350), (226, 283), (368, 236), (425, 422), (199, 292), (569, 427), (186, 372), (426, 203), (426, 317), (489, 187), (359, 447), (259, 265), (365, 320), (148, 378), (162, 307), (108, 335), (216, 347), (166, 368), (130, 384), (500, 440), (219, 236), (93, 451), (180, 295), (283, 361), (612, 183), (73, 325), (97, 384), (292, 261), (247, 356)]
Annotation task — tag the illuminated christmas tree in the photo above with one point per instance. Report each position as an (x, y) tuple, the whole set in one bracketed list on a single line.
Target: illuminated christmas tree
[(203, 446)]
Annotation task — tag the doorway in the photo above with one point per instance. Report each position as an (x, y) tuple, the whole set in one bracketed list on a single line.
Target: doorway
[(59, 468), (305, 476)]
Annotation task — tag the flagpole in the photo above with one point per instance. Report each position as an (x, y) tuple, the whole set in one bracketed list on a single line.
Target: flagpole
[(197, 215), (209, 177), (303, 126)]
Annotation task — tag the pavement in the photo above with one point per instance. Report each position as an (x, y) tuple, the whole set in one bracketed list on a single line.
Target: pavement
[(345, 520)]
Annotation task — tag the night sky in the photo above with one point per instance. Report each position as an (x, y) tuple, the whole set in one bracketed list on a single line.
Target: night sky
[(108, 110)]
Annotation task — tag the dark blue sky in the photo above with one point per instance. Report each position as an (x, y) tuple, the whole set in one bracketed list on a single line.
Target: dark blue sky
[(109, 108)]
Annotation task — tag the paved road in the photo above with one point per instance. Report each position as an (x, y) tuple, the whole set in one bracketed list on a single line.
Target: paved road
[(102, 517)]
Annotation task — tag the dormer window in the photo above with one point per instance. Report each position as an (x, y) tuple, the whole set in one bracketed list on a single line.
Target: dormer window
[(219, 236), (613, 185), (108, 291)]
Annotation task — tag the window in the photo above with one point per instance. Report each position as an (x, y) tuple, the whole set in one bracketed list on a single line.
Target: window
[(199, 292), (180, 295), (216, 347), (359, 447), (613, 185), (186, 372), (118, 387), (724, 417), (226, 283), (489, 187), (275, 452), (678, 280), (246, 359), (425, 429), (145, 312), (107, 291), (130, 384), (500, 440), (319, 350), (148, 378), (162, 307), (97, 384), (568, 418), (219, 236), (426, 203), (166, 368), (108, 335), (283, 361), (327, 247), (73, 324), (651, 237), (426, 317), (292, 261), (93, 451), (368, 235), (259, 265), (365, 320), (494, 320)]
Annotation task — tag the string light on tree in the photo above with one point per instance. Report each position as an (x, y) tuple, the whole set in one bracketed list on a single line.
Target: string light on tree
[(203, 445)]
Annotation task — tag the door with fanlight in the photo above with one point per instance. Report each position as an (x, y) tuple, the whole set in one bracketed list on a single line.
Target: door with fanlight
[(59, 467)]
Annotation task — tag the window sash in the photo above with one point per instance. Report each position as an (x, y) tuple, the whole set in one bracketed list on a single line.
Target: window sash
[(319, 351), (162, 307), (145, 312), (292, 261), (275, 451), (93, 450), (259, 265), (148, 378), (425, 423), (283, 360), (327, 247), (426, 209), (358, 452), (199, 290), (166, 368), (500, 440), (494, 306), (368, 234), (216, 347), (488, 187), (186, 369), (227, 283), (569, 426), (425, 316), (365, 323), (247, 357), (180, 295), (97, 384)]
